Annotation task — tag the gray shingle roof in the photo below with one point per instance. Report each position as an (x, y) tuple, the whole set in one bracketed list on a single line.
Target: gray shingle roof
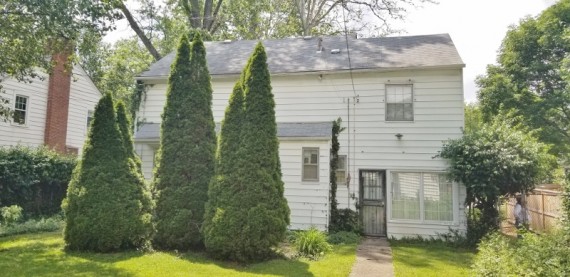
[(151, 131), (294, 55)]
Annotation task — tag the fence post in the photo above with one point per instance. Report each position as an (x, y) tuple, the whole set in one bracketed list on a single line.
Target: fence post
[(542, 213)]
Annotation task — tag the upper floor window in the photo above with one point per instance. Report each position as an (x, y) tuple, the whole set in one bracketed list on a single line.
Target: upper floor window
[(310, 164), (89, 118), (21, 110), (399, 103), (341, 170)]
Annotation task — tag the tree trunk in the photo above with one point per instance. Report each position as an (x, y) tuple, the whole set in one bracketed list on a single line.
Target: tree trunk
[(135, 26)]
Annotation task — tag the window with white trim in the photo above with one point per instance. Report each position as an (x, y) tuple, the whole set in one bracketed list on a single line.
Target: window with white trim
[(341, 170), (422, 196), (311, 164), (89, 118), (21, 110), (399, 103)]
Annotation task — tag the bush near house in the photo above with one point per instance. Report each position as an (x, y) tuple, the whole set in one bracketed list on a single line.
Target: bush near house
[(248, 213), (34, 178), (107, 206), (187, 155)]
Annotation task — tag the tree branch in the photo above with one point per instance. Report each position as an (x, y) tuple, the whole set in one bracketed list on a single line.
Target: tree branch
[(135, 26)]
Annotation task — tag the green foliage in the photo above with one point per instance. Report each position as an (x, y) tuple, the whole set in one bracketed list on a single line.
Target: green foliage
[(312, 243), (495, 160), (125, 127), (108, 206), (533, 255), (531, 77), (335, 146), (346, 220), (248, 214), (343, 237), (473, 118), (11, 214), (34, 178), (188, 131), (49, 224)]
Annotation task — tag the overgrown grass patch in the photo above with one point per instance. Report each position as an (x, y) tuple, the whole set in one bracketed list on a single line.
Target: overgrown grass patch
[(43, 255), (430, 259)]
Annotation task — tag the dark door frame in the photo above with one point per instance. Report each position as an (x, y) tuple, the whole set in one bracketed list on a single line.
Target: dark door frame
[(361, 200)]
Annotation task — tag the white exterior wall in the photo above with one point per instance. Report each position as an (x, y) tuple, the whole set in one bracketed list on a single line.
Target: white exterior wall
[(83, 98), (31, 134), (438, 116)]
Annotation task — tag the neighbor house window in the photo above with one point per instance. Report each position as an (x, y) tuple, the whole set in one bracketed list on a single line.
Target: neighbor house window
[(89, 118), (310, 164), (20, 110), (422, 196), (399, 103), (341, 170)]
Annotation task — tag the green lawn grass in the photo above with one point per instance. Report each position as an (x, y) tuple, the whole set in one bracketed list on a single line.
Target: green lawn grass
[(430, 259), (43, 255)]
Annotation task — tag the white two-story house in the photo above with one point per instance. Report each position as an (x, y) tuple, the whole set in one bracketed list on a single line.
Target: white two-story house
[(399, 99)]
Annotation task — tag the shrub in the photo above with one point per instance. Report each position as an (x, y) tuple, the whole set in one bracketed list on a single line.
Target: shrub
[(34, 178), (343, 237), (11, 214), (50, 224), (533, 255), (312, 243), (248, 214), (108, 206), (188, 131), (346, 220)]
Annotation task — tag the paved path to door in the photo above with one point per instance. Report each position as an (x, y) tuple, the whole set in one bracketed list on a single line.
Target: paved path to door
[(373, 258)]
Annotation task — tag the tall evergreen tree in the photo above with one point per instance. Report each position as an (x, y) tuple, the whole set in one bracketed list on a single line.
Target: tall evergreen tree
[(107, 206), (125, 128), (251, 214), (188, 145)]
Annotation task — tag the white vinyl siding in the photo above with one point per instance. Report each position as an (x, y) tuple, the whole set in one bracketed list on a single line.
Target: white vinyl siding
[(438, 116), (399, 103), (422, 196), (310, 164)]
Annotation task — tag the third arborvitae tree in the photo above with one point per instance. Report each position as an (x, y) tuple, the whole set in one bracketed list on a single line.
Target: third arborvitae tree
[(188, 145), (250, 214), (108, 207)]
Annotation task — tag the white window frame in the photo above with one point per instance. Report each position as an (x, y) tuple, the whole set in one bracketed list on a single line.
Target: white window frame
[(26, 111), (345, 169), (303, 164), (386, 86), (454, 193)]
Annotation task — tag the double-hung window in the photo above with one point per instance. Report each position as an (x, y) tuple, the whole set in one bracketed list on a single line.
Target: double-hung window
[(399, 103), (311, 164), (422, 196), (21, 110), (341, 170)]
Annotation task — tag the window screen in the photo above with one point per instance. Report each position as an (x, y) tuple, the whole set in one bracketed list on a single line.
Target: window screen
[(399, 103)]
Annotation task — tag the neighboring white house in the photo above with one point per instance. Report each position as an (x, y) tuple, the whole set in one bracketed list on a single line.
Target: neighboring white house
[(53, 110), (399, 99)]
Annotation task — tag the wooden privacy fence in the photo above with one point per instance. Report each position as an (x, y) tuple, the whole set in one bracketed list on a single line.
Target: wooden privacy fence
[(544, 208)]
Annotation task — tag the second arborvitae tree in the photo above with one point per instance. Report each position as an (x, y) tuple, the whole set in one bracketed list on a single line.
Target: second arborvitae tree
[(108, 207), (249, 214), (187, 150)]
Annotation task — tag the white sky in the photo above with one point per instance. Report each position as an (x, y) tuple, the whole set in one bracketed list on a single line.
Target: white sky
[(477, 28)]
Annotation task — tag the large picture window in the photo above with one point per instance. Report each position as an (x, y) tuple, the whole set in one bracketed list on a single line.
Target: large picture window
[(399, 103), (422, 196), (310, 164)]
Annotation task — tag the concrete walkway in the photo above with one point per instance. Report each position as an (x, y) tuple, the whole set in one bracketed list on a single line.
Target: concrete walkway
[(373, 258)]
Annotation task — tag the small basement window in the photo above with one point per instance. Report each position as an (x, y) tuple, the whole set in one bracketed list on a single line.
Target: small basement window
[(21, 110), (311, 164), (399, 103)]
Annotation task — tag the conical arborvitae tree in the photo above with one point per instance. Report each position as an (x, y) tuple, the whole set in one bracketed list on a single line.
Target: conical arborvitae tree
[(250, 215), (107, 206), (187, 155), (125, 128)]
